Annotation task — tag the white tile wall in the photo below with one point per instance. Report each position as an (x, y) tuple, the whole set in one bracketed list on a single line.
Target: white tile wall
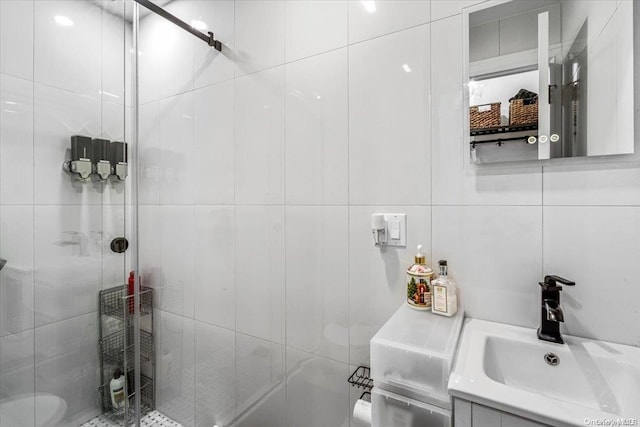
[(67, 261), (389, 148), (316, 132), (65, 56), (306, 124), (214, 261), (368, 19), (176, 293), (259, 137), (598, 248), (445, 8), (164, 46), (149, 152), (260, 35), (259, 271), (16, 280), (317, 277), (214, 148), (115, 217), (115, 64), (16, 53), (150, 262), (16, 133), (17, 366), (494, 253), (313, 27), (175, 367), (592, 184), (177, 150), (211, 66)]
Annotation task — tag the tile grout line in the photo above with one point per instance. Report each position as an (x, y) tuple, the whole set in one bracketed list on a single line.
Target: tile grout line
[(430, 135), (33, 195), (284, 214), (349, 272), (235, 218)]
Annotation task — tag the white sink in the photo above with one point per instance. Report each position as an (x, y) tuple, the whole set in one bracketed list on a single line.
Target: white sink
[(504, 367)]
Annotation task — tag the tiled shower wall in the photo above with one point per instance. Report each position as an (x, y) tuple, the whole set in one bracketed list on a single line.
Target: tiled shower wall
[(57, 81), (261, 166)]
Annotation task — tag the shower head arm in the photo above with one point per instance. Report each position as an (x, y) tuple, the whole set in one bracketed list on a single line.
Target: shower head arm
[(207, 38)]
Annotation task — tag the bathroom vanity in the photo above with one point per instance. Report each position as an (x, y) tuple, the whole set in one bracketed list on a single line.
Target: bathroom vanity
[(468, 414), (504, 375)]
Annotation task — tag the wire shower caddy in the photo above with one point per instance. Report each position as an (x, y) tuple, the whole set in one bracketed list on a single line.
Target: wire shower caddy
[(116, 350)]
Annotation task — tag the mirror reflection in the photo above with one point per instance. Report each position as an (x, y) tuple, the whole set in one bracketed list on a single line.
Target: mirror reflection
[(550, 79)]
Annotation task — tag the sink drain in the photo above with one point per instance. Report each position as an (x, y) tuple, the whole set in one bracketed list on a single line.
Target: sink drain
[(552, 359)]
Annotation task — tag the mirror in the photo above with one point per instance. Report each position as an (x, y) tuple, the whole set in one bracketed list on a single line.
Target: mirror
[(549, 79)]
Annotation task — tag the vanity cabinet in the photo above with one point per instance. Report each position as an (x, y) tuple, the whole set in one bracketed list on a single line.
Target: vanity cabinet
[(468, 414)]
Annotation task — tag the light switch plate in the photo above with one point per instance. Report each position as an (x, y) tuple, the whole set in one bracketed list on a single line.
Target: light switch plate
[(396, 227)]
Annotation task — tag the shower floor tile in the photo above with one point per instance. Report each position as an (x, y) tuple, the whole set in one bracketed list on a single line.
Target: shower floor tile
[(152, 419)]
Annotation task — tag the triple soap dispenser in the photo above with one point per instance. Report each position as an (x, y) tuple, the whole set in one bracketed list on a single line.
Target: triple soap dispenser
[(96, 156), (438, 295)]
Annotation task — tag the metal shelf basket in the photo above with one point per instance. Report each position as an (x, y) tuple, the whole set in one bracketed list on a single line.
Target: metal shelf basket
[(112, 347), (146, 400), (114, 300), (115, 303), (361, 378)]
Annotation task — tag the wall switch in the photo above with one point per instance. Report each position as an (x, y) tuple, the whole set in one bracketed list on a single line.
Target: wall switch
[(394, 229), (397, 229)]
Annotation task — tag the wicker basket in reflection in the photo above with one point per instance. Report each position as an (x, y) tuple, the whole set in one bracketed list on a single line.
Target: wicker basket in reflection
[(484, 116), (523, 111)]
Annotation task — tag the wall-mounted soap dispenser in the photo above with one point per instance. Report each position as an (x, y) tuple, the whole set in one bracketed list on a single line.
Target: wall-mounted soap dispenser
[(118, 157), (81, 156), (97, 156), (100, 159)]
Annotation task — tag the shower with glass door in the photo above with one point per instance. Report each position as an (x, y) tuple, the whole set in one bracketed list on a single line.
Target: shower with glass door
[(68, 319), (117, 241)]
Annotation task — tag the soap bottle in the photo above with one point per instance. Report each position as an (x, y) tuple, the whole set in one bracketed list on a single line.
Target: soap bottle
[(116, 390), (130, 291), (418, 283), (444, 295)]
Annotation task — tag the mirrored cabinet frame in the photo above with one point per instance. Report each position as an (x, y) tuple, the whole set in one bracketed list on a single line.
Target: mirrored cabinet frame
[(505, 146)]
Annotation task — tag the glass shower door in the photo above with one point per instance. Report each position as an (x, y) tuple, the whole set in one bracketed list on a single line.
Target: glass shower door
[(63, 74)]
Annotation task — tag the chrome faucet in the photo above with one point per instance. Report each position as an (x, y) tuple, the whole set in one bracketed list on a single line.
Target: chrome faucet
[(551, 312)]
